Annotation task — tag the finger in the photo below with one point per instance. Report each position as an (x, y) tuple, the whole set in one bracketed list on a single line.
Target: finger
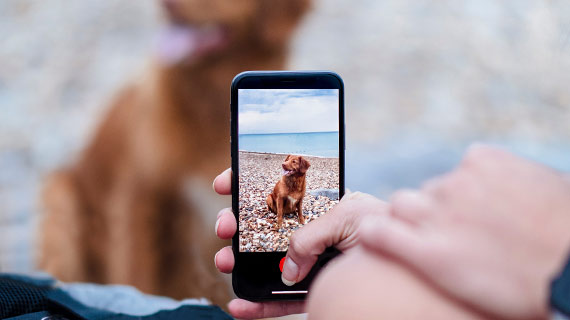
[(479, 155), (396, 238), (444, 187), (433, 187), (356, 195), (305, 245), (411, 206), (336, 228), (244, 309), (452, 187), (223, 182), (226, 225), (224, 259)]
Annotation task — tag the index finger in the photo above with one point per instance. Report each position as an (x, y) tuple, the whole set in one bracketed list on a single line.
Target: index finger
[(223, 182)]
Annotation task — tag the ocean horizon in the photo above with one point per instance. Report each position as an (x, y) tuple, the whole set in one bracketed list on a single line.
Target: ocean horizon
[(318, 144)]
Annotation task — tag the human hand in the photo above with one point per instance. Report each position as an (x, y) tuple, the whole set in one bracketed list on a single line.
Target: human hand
[(492, 233), (336, 228), (226, 227)]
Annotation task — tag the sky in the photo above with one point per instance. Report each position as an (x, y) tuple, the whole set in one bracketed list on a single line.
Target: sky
[(287, 110)]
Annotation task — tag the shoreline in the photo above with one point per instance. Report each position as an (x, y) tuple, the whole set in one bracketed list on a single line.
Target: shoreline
[(286, 153)]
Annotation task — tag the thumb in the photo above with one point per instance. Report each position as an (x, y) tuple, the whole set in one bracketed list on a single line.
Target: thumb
[(306, 244), (336, 228)]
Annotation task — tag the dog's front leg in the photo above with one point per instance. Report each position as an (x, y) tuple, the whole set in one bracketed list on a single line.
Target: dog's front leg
[(300, 211), (279, 204)]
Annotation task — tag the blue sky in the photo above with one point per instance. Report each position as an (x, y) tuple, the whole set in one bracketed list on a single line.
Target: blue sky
[(287, 110)]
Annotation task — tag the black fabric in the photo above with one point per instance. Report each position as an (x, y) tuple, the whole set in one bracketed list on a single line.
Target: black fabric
[(42, 315), (24, 298), (18, 296), (78, 310), (560, 291)]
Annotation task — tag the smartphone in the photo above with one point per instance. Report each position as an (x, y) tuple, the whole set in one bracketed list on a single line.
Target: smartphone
[(287, 147)]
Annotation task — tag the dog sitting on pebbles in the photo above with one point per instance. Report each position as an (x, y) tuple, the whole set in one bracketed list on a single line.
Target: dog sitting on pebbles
[(288, 194)]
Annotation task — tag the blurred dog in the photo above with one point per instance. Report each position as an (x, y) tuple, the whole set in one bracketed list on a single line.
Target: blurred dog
[(288, 194), (127, 211)]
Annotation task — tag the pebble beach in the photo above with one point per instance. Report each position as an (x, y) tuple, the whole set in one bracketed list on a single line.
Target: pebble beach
[(258, 174)]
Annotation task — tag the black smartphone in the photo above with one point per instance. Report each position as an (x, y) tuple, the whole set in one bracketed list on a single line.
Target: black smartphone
[(287, 141)]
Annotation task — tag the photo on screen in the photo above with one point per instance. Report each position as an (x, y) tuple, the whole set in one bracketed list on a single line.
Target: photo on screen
[(287, 138)]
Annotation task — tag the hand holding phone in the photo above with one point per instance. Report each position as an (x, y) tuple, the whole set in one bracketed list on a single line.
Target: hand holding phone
[(338, 229), (226, 227)]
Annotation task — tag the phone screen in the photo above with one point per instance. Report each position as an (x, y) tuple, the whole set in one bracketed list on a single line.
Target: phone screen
[(288, 158)]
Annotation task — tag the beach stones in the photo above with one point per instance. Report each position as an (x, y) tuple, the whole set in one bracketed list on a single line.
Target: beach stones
[(329, 193), (258, 175)]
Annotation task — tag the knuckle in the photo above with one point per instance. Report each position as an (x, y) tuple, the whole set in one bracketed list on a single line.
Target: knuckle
[(453, 182), (398, 201), (442, 187), (297, 245), (433, 185), (473, 156), (399, 196), (478, 154)]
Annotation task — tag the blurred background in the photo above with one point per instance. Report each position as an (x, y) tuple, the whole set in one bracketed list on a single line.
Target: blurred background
[(423, 78)]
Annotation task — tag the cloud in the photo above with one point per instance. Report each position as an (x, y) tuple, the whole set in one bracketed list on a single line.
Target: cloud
[(287, 110)]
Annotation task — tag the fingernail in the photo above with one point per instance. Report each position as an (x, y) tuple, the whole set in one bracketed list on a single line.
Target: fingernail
[(287, 282), (216, 259), (214, 183), (216, 226), (290, 272), (220, 213)]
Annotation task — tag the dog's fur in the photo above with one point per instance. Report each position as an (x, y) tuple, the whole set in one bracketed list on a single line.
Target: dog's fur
[(119, 214), (288, 194)]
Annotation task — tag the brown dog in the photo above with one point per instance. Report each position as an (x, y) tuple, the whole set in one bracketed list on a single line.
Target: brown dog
[(288, 194), (129, 210)]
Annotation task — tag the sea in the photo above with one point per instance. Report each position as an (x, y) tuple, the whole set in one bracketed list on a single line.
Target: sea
[(319, 144)]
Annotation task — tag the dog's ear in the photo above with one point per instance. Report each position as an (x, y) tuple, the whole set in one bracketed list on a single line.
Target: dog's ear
[(304, 165)]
